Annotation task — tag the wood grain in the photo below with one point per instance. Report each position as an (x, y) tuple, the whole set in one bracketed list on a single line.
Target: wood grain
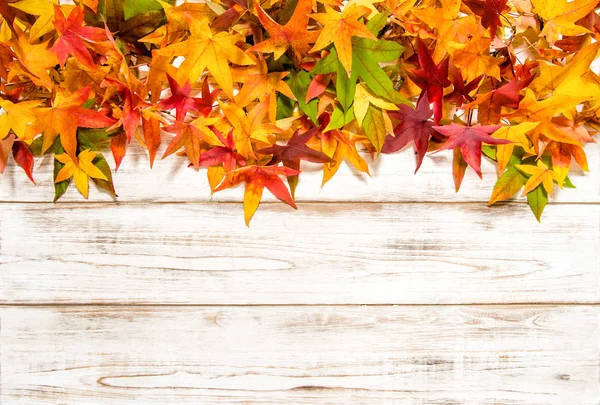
[(321, 254), (393, 180), (271, 355)]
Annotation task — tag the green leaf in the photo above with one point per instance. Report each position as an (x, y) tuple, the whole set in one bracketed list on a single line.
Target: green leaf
[(285, 106), (299, 83), (366, 56), (326, 65), (131, 8), (94, 138), (61, 187), (567, 183), (339, 118), (101, 163), (345, 87), (489, 151), (537, 200), (374, 126), (507, 185), (377, 22)]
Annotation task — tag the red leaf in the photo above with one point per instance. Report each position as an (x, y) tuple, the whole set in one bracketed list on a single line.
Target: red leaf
[(24, 158), (415, 126), (431, 78), (469, 140), (118, 146)]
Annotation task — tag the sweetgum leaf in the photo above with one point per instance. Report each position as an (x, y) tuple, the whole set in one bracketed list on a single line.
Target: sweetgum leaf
[(537, 200)]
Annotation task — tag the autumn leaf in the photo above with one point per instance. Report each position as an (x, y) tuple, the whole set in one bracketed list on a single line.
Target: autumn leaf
[(248, 127), (561, 16), (294, 35), (431, 78), (190, 135), (72, 36), (516, 134), (36, 60), (225, 155), (64, 117), (43, 9), (539, 174), (489, 11), (295, 151), (259, 84), (339, 29), (182, 102), (80, 169), (469, 139), (16, 117), (205, 50), (256, 179), (508, 185), (474, 59), (415, 126)]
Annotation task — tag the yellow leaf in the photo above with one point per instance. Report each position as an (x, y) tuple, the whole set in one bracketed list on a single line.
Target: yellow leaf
[(516, 134), (363, 97), (539, 174), (561, 16), (81, 170)]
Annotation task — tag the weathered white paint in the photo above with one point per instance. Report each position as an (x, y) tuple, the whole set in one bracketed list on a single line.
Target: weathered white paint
[(321, 254), (392, 180), (534, 355)]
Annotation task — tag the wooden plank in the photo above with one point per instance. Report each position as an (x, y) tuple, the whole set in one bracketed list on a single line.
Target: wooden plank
[(300, 355), (321, 254), (393, 180)]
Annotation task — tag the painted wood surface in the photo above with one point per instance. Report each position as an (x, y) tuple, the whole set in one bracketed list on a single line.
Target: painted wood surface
[(534, 355), (322, 254), (392, 180)]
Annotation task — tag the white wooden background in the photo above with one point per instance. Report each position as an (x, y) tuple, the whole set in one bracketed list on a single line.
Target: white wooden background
[(390, 290)]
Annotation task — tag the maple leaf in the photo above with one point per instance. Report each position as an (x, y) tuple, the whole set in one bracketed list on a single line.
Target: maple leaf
[(431, 78), (508, 184), (259, 84), (474, 59), (247, 127), (568, 79), (205, 50), (225, 154), (43, 9), (339, 29), (24, 158), (295, 150), (80, 168), (181, 101), (540, 174), (452, 27), (561, 16), (72, 36), (542, 111), (256, 179), (363, 99), (367, 54), (64, 117), (469, 140), (177, 25), (16, 117), (516, 135), (489, 11), (415, 126), (36, 59), (490, 104), (190, 135), (293, 35), (461, 90)]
